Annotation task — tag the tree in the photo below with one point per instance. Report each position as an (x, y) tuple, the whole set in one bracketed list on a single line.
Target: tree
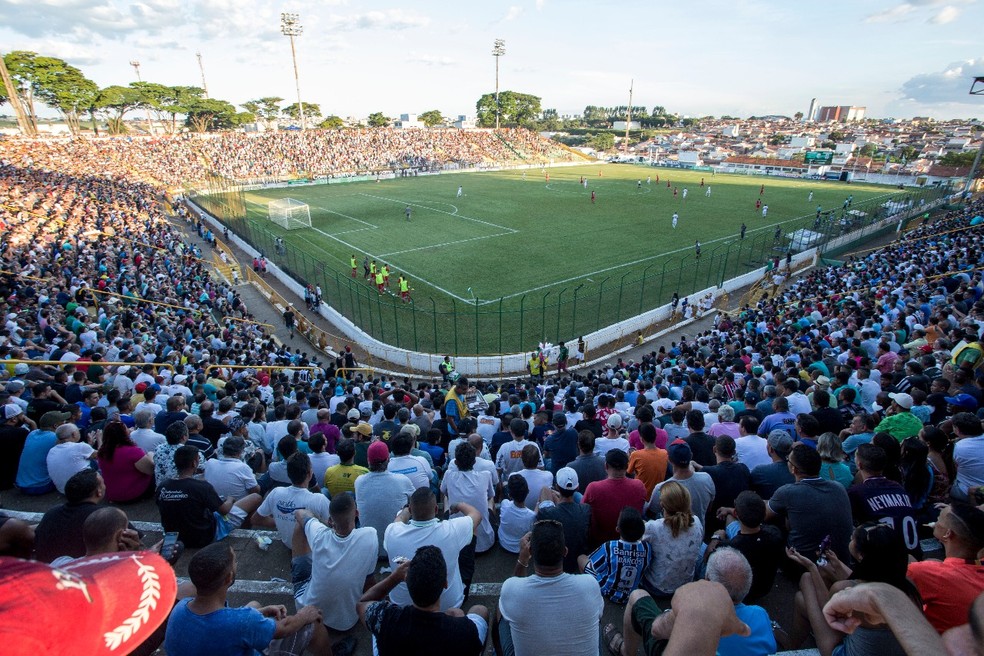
[(378, 120), (311, 111), (118, 101), (332, 123), (266, 108), (798, 116), (908, 153), (601, 141), (776, 140), (52, 81), (431, 118), (836, 136), (658, 110), (868, 150), (958, 159), (514, 108), (204, 114)]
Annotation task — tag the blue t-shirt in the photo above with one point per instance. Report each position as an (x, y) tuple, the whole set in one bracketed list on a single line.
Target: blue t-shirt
[(226, 632), (760, 641), (32, 471)]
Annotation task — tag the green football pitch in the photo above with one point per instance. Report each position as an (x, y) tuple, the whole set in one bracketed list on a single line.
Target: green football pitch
[(534, 247)]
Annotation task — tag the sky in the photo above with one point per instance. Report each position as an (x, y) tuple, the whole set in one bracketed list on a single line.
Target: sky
[(695, 58)]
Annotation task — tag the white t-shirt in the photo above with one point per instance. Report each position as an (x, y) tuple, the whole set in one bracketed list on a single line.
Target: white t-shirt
[(147, 439), (450, 537), (553, 615), (752, 451), (380, 496), (514, 522), (487, 426), (153, 408), (320, 462), (474, 488), (674, 558), (231, 477), (283, 501), (536, 479), (481, 464), (509, 460), (605, 444), (66, 459), (339, 567), (274, 431), (413, 467)]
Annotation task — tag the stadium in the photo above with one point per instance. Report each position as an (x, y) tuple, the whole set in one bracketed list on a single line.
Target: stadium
[(626, 382)]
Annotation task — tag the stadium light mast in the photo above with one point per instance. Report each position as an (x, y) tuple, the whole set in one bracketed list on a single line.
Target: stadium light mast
[(201, 68), (628, 118), (498, 50), (136, 67), (290, 26), (976, 89)]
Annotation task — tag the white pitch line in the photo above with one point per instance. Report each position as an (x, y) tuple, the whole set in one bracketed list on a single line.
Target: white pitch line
[(639, 261), (447, 243), (460, 216), (378, 257)]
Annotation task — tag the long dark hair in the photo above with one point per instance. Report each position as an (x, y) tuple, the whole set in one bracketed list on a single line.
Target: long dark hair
[(115, 435), (915, 470), (884, 558)]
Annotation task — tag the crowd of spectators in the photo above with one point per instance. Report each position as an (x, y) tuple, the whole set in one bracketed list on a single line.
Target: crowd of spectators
[(183, 159), (824, 435)]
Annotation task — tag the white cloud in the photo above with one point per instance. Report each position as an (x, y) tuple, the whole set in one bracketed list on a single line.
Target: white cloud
[(943, 87), (391, 19), (540, 4), (514, 12), (895, 14), (432, 60), (946, 15)]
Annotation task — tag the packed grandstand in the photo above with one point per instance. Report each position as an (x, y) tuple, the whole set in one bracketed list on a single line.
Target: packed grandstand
[(838, 417)]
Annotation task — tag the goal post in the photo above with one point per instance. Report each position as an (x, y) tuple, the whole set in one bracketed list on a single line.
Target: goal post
[(289, 214)]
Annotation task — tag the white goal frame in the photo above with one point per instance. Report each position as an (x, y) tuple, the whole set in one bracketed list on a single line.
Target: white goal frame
[(289, 214)]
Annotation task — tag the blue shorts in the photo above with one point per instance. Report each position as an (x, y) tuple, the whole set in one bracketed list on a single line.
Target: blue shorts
[(226, 524)]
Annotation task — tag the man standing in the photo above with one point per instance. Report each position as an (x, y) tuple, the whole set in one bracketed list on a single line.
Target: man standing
[(536, 612), (407, 211), (205, 624), (417, 526), (607, 498), (289, 320), (676, 218), (455, 408), (332, 567), (380, 494)]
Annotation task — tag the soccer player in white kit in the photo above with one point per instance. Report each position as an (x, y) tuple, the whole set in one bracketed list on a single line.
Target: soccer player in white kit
[(684, 193), (459, 191), (676, 217), (708, 192)]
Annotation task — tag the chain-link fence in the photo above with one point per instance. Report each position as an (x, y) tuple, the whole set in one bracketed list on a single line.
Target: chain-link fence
[(441, 324)]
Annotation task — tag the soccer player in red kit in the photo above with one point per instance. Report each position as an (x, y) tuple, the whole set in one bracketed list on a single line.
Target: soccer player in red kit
[(592, 197)]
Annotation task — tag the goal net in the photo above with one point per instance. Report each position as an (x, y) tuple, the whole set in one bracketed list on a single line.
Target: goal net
[(289, 214)]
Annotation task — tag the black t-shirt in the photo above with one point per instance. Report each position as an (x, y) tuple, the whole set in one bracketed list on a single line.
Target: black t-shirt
[(878, 499), (60, 531), (213, 429), (730, 480), (766, 479), (37, 407), (498, 439), (409, 631), (592, 425), (702, 446), (186, 506), (830, 420), (576, 518), (764, 551), (12, 440)]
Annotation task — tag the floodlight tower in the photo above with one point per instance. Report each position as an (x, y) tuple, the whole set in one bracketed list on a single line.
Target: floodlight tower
[(136, 67), (498, 50), (290, 26), (201, 68), (976, 89)]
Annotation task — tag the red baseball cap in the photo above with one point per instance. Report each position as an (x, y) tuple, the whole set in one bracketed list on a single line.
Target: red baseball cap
[(105, 604)]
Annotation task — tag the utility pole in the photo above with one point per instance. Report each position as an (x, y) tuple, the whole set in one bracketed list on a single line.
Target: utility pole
[(628, 117), (498, 50), (290, 26), (201, 68), (136, 67), (26, 126)]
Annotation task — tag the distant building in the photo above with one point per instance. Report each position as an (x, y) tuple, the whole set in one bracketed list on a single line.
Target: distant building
[(762, 166), (408, 121), (620, 125), (689, 158), (464, 122), (812, 114), (729, 131), (840, 113), (802, 142)]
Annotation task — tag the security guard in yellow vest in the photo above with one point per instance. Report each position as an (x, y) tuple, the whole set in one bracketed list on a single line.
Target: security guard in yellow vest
[(353, 263), (404, 288), (534, 366), (380, 285)]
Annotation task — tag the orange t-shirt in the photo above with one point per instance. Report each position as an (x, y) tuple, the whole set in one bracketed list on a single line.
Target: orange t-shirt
[(649, 466), (948, 589)]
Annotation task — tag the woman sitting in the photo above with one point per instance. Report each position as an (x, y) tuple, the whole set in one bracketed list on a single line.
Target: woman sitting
[(126, 469)]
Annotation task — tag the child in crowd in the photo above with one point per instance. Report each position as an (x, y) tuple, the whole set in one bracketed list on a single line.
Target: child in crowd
[(618, 564), (515, 519)]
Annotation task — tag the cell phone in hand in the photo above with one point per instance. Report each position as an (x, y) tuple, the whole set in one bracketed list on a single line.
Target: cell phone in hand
[(824, 547), (169, 550)]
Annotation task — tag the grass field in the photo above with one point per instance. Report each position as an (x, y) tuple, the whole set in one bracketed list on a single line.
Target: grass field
[(517, 248)]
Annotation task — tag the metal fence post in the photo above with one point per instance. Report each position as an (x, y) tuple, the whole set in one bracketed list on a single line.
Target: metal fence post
[(434, 316), (454, 319), (413, 316), (500, 325), (574, 313), (642, 291), (601, 289), (543, 317), (522, 315), (560, 301), (396, 323), (621, 288), (379, 311), (478, 348)]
